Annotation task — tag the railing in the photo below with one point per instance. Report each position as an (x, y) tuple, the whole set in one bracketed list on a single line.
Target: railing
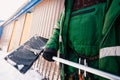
[(88, 69), (51, 70)]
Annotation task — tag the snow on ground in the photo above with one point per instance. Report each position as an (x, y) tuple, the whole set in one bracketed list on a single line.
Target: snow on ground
[(8, 72)]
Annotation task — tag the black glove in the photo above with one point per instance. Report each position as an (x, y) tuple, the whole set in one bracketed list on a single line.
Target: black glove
[(49, 53)]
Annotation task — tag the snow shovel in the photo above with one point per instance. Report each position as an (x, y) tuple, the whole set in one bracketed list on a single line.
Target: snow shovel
[(24, 56)]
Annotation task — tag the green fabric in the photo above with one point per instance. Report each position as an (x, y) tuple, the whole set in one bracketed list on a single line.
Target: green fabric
[(64, 27), (111, 38), (110, 64), (85, 38), (84, 32), (112, 13), (53, 42), (87, 33)]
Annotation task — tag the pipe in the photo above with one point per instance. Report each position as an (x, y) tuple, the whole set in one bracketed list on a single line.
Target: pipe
[(88, 69), (24, 9)]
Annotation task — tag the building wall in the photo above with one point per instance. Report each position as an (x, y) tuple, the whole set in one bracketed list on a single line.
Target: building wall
[(6, 36), (45, 16), (26, 28), (40, 21), (17, 33)]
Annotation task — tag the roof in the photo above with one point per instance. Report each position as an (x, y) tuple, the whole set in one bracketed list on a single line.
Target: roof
[(24, 9)]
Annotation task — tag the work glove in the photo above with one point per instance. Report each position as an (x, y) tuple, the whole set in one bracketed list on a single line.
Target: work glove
[(49, 53)]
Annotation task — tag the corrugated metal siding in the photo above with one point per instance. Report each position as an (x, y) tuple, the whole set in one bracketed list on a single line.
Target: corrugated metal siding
[(45, 17), (17, 32), (26, 28), (41, 22), (5, 39)]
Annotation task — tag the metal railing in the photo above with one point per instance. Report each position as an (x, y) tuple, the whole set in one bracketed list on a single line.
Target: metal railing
[(88, 69)]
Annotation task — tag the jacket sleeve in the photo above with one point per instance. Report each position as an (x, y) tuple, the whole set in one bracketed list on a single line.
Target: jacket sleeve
[(51, 47), (110, 48), (53, 42)]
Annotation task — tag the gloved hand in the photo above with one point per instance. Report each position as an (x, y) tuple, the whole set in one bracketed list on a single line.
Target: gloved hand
[(49, 53)]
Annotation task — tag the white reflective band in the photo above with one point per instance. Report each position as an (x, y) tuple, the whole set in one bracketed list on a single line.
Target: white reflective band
[(110, 51), (60, 38), (55, 26)]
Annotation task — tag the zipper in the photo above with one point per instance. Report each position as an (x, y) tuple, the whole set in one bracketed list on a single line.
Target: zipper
[(83, 12)]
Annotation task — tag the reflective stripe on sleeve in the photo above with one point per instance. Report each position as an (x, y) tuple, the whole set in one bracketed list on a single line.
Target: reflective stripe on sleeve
[(60, 38), (56, 27), (110, 51)]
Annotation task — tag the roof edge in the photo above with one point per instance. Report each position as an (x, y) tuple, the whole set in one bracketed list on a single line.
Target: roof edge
[(25, 8)]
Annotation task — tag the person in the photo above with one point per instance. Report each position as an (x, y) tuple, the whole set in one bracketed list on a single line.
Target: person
[(110, 43), (88, 33)]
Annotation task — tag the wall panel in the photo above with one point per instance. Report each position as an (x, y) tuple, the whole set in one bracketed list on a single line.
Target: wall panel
[(26, 28), (45, 17), (6, 36), (17, 33), (41, 21)]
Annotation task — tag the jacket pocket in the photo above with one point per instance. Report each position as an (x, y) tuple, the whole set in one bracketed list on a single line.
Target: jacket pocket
[(83, 12)]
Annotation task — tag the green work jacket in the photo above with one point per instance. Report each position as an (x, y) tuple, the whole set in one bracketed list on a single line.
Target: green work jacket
[(110, 42), (94, 31)]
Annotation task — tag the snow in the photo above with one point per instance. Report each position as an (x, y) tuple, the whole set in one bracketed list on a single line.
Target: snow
[(8, 72)]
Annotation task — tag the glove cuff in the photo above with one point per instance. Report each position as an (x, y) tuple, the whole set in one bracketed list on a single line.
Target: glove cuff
[(49, 53), (50, 50)]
